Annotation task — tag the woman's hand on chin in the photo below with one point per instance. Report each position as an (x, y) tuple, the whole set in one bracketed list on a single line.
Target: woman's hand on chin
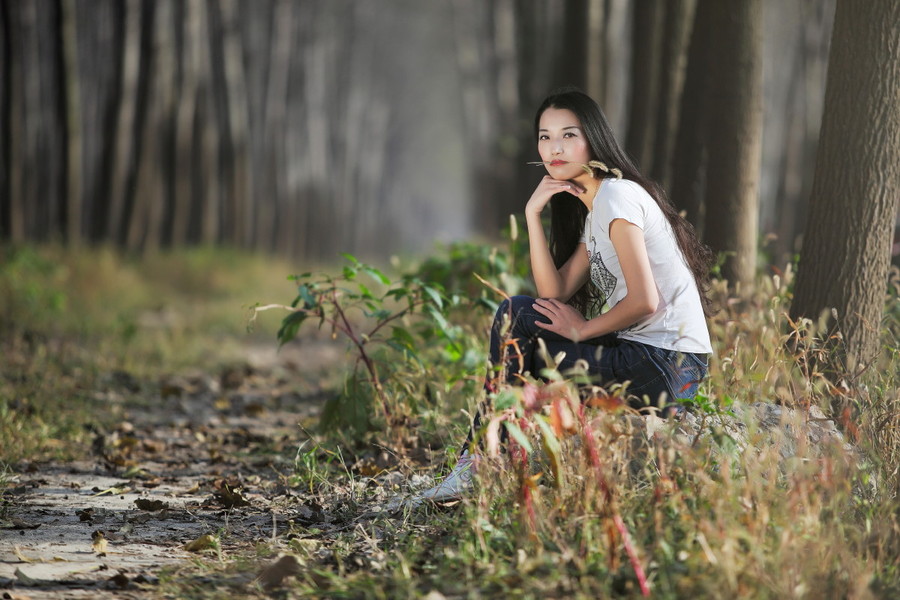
[(564, 319), (546, 189)]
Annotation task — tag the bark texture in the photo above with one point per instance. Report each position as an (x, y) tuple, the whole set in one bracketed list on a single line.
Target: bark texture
[(735, 137), (647, 33), (679, 18), (845, 255), (690, 154)]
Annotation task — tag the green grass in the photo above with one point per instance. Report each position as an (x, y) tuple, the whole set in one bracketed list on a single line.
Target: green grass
[(83, 332), (705, 519)]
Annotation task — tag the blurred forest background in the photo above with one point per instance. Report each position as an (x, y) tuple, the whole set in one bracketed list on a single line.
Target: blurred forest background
[(307, 129), (164, 164), (313, 128)]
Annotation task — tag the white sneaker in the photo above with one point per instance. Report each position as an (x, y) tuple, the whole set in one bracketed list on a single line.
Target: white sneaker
[(455, 485)]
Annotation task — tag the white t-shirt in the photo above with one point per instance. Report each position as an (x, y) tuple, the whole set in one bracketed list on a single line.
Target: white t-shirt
[(678, 322)]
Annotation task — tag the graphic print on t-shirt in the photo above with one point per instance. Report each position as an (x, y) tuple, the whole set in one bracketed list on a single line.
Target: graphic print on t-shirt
[(600, 275)]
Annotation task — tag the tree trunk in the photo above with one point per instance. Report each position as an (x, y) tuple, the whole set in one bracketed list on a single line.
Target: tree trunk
[(797, 155), (572, 69), (846, 249), (690, 153), (10, 210), (101, 91), (70, 78), (735, 136), (679, 17), (122, 150), (237, 166), (134, 224), (597, 74), (645, 68)]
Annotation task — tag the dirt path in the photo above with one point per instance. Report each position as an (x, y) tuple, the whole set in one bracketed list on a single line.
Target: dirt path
[(201, 455)]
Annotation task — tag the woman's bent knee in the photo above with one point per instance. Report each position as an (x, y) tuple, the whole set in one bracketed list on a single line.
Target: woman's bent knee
[(512, 306)]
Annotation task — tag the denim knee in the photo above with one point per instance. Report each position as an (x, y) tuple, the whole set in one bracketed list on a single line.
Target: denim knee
[(518, 303), (513, 307)]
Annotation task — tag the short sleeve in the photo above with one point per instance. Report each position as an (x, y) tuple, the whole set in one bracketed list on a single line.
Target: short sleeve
[(624, 202)]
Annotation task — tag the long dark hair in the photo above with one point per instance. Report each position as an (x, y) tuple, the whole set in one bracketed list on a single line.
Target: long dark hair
[(567, 216)]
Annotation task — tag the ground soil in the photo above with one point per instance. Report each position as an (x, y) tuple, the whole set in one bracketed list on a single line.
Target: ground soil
[(196, 454)]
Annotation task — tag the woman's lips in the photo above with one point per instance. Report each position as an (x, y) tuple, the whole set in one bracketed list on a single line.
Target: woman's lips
[(556, 163)]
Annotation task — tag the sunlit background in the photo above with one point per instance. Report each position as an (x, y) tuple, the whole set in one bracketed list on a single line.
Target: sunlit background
[(373, 127)]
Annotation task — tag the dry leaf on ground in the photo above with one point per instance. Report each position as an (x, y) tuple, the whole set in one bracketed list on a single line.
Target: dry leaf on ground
[(273, 575)]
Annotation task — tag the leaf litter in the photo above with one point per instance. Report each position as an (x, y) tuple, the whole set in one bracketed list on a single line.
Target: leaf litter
[(208, 465)]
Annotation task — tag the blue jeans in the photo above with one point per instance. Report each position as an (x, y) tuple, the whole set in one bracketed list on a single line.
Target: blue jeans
[(657, 377)]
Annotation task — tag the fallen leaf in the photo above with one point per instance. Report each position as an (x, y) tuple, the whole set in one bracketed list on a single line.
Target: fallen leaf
[(153, 446), (140, 518), (151, 505), (230, 497), (120, 580), (272, 575), (135, 472), (20, 524), (18, 552), (99, 543), (254, 409), (113, 491), (204, 542)]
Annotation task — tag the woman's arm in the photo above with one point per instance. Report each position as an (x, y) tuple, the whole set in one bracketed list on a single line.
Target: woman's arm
[(552, 282), (641, 300)]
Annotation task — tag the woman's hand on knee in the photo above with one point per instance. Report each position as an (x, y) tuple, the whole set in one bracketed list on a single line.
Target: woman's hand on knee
[(564, 319)]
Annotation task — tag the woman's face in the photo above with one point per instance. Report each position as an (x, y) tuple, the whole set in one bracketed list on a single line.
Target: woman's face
[(562, 144)]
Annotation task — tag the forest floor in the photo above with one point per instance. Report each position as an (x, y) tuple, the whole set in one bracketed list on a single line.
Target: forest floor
[(152, 447), (199, 466)]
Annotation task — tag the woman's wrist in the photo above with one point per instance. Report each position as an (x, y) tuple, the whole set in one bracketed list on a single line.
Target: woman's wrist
[(533, 214)]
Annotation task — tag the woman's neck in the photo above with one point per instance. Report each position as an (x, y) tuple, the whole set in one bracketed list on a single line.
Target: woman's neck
[(590, 185)]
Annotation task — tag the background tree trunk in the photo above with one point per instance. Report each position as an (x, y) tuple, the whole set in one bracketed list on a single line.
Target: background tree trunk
[(795, 87), (597, 77), (576, 58), (846, 247), (9, 209), (690, 156), (236, 162), (121, 140), (735, 135), (679, 18), (73, 118), (646, 43), (311, 128)]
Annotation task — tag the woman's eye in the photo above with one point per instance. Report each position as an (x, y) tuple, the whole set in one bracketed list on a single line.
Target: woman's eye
[(543, 137), (569, 134)]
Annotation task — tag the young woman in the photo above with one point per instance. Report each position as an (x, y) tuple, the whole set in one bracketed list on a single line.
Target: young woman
[(615, 241)]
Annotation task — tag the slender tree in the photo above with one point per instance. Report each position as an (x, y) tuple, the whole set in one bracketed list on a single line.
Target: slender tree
[(689, 157), (845, 256), (646, 42), (735, 137), (6, 68), (72, 118), (679, 17)]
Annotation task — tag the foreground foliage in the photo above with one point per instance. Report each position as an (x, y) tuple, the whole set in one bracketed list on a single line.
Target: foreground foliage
[(596, 509)]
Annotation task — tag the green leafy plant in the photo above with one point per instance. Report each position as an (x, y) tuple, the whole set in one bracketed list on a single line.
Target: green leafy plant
[(502, 267), (373, 313)]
